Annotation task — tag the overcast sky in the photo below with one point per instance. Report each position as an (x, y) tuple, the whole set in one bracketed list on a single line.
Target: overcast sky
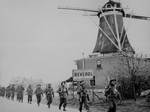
[(37, 40)]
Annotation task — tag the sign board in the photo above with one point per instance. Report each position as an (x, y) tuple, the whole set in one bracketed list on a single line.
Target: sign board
[(82, 74)]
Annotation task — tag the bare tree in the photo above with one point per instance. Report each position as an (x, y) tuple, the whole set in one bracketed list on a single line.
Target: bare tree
[(131, 66)]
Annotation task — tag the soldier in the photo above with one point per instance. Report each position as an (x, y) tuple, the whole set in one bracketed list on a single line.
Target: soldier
[(63, 93), (83, 98), (0, 91), (111, 95), (148, 97), (49, 94), (12, 91), (38, 93), (8, 92), (3, 91), (29, 93), (20, 92)]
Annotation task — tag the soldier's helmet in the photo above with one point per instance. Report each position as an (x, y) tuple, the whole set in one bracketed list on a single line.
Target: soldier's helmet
[(82, 84), (49, 85), (112, 82), (62, 83), (38, 85), (29, 86)]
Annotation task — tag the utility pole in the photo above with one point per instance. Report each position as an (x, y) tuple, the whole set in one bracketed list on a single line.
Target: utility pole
[(83, 64)]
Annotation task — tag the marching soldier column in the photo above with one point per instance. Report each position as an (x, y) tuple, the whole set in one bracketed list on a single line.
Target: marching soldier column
[(19, 91)]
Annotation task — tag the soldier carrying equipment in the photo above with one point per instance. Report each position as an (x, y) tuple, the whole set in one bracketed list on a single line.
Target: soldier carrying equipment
[(29, 93), (12, 91), (49, 94), (83, 98), (20, 92), (2, 91), (111, 95), (38, 93), (8, 92), (63, 93)]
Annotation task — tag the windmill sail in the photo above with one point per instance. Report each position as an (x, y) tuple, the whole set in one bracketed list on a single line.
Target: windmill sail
[(136, 17), (112, 35)]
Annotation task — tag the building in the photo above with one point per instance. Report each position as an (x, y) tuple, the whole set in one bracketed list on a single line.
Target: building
[(113, 54), (106, 67)]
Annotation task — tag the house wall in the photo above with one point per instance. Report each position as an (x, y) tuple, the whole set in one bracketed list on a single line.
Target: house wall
[(108, 63)]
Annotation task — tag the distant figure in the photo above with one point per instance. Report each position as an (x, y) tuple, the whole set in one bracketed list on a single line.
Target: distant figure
[(12, 91), (39, 94), (110, 93), (20, 93), (63, 93), (49, 94), (3, 91), (29, 93), (83, 98), (8, 92), (148, 98)]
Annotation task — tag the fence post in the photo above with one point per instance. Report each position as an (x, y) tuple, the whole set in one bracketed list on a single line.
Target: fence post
[(73, 88), (93, 99)]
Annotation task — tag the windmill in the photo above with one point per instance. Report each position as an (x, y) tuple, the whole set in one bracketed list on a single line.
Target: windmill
[(112, 36)]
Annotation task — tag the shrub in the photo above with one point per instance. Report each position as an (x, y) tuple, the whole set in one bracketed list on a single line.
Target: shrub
[(127, 85)]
